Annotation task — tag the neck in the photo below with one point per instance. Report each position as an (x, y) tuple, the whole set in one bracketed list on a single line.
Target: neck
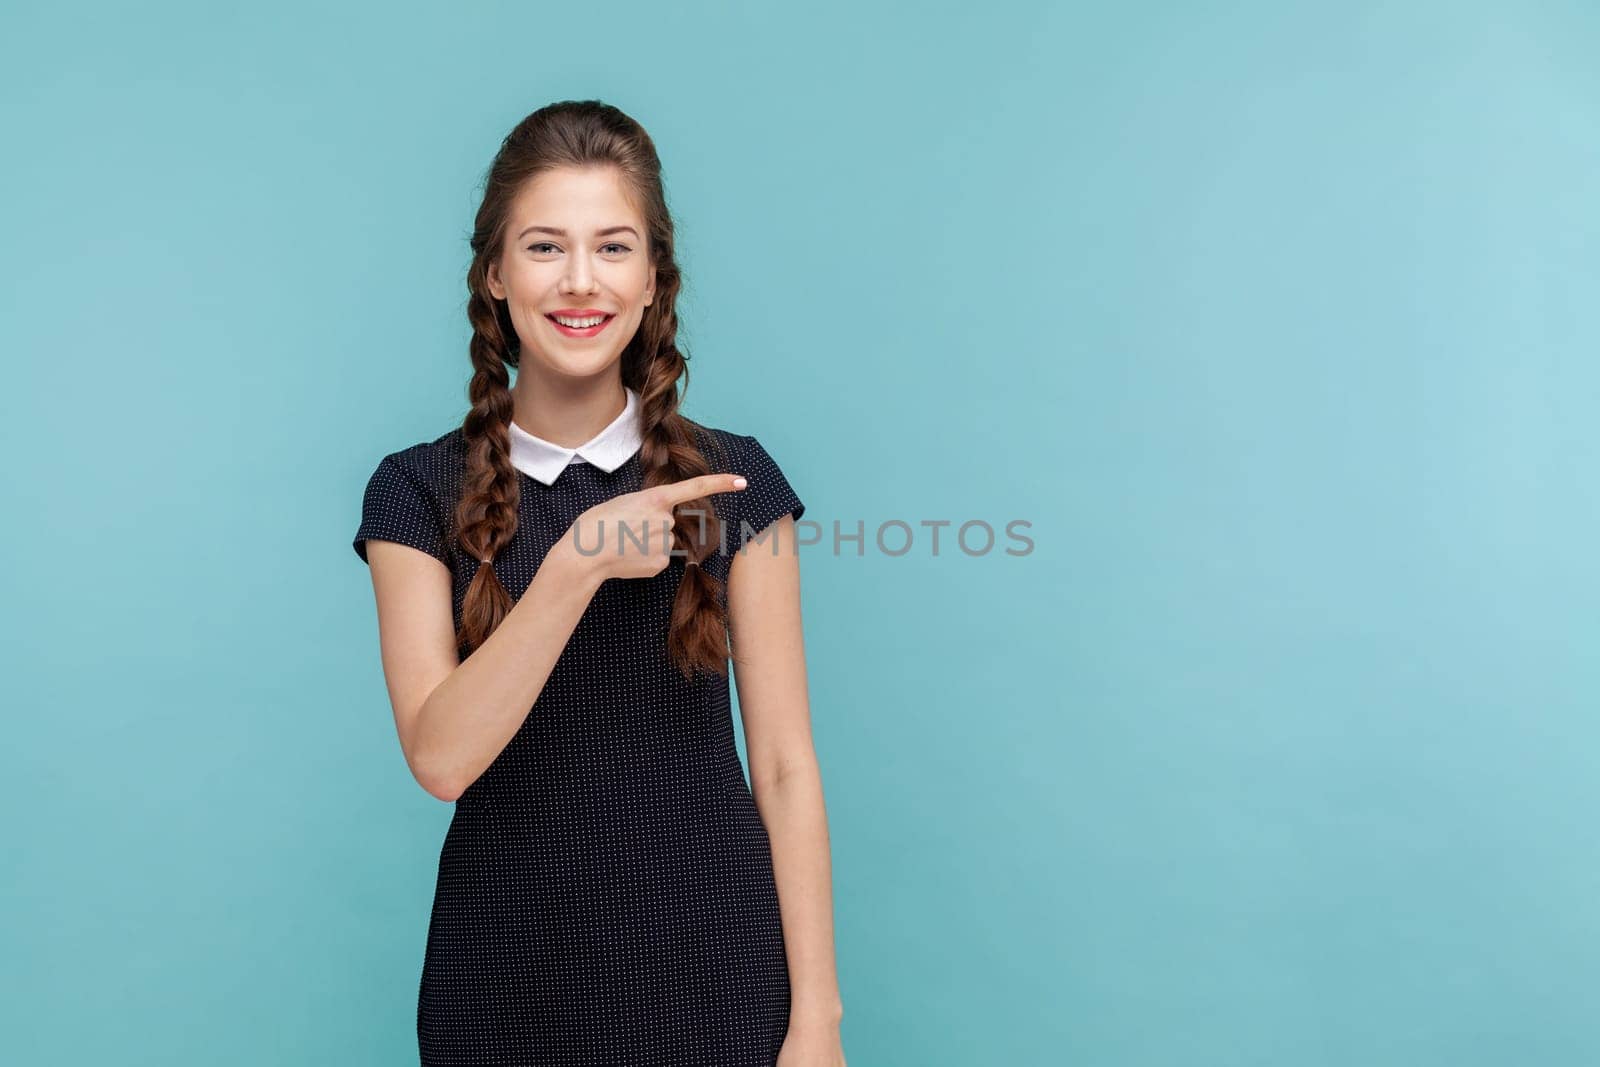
[(566, 412)]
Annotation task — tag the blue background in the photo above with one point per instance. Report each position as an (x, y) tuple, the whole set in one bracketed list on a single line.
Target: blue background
[(1277, 321)]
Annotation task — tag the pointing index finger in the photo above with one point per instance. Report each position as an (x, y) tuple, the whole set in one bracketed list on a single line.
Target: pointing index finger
[(701, 485)]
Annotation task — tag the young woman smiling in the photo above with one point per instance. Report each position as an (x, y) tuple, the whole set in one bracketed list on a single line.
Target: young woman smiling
[(558, 581)]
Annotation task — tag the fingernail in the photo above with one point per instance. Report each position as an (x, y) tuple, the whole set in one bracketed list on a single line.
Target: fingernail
[(739, 483)]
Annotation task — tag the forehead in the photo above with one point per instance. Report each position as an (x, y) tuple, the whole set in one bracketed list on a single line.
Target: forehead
[(575, 199)]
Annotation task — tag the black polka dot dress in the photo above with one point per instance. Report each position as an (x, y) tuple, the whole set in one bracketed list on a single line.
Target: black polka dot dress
[(605, 891)]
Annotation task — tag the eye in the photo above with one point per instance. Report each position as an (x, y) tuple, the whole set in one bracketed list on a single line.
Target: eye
[(539, 245), (619, 247)]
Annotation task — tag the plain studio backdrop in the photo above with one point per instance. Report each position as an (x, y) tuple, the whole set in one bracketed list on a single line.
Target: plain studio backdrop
[(1276, 323)]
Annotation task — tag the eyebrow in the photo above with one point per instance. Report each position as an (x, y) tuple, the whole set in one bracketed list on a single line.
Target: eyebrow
[(562, 233)]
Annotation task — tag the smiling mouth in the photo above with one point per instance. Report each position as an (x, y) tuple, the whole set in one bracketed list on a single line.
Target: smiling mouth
[(584, 326)]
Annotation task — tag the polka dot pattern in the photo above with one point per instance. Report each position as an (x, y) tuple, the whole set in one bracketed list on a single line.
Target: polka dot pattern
[(605, 891)]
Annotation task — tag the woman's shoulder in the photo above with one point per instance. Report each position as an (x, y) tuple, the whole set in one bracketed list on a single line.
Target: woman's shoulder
[(727, 451), (770, 493), (408, 498), (436, 463)]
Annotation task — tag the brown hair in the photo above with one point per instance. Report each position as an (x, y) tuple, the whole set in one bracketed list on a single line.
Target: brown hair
[(584, 133)]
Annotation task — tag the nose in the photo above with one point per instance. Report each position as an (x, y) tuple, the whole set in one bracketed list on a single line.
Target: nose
[(579, 278)]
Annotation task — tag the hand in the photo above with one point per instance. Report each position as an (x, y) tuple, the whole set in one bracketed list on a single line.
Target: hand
[(811, 1044), (630, 536)]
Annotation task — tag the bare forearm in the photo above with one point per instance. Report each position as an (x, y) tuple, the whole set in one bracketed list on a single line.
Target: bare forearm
[(795, 815), (470, 717)]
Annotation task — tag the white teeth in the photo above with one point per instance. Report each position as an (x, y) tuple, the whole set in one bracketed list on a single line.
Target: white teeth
[(579, 324)]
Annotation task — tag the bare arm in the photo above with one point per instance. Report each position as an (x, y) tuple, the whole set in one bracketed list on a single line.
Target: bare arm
[(455, 717), (770, 671)]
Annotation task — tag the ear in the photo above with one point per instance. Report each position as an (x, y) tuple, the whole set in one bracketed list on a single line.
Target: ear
[(493, 276), (650, 290)]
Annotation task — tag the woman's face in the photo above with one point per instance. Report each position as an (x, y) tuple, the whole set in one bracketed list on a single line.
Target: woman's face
[(575, 248)]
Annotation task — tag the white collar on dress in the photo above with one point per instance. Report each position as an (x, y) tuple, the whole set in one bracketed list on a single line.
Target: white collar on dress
[(608, 449)]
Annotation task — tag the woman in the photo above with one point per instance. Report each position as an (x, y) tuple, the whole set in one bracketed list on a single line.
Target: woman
[(557, 583)]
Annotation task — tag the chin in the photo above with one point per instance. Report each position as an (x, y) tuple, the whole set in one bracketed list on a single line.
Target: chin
[(562, 365)]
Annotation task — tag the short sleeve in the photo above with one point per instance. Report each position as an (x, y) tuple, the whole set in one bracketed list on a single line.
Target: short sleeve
[(397, 508), (767, 498)]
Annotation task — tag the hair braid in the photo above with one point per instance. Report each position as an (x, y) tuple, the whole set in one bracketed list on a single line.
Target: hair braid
[(486, 518)]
